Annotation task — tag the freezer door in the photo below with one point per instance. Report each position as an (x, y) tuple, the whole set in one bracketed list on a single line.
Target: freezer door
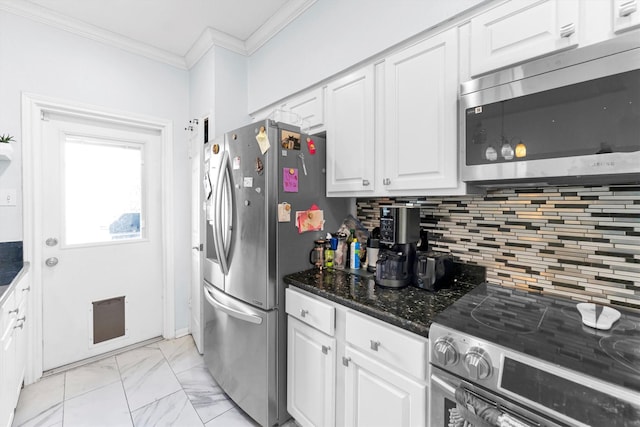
[(240, 351), (247, 278)]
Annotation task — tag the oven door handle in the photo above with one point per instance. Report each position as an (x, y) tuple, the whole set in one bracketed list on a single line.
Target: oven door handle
[(446, 386)]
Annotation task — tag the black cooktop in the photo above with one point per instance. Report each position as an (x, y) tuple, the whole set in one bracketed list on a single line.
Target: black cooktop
[(550, 328)]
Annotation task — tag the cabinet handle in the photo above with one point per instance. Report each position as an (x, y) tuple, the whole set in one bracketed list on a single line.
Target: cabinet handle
[(27, 289), (303, 313), (15, 310), (375, 345), (346, 360), (21, 325), (386, 181), (325, 349), (365, 182), (567, 30), (626, 9)]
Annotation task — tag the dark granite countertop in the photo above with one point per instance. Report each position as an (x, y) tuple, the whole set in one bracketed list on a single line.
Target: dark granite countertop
[(15, 273), (409, 308)]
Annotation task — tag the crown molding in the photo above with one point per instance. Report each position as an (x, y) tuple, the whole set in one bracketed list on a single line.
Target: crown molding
[(209, 37), (283, 17), (46, 16)]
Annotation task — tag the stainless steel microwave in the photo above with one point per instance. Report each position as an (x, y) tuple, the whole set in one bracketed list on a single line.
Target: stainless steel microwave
[(571, 118)]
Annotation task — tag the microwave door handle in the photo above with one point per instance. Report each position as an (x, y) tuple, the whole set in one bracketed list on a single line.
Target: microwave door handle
[(247, 317), (217, 229)]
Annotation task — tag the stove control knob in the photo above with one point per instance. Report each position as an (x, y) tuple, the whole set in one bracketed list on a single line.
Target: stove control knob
[(445, 351), (477, 363)]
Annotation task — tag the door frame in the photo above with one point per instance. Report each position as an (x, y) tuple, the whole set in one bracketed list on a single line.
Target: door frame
[(34, 107)]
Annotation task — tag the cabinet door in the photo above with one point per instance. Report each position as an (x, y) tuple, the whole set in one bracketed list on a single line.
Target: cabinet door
[(377, 395), (350, 143), (311, 369), (625, 15), (421, 87), (309, 107), (8, 375), (517, 31)]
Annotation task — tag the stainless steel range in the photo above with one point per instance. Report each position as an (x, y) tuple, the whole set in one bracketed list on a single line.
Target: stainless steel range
[(506, 357)]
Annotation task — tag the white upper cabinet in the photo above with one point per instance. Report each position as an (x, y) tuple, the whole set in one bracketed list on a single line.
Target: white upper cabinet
[(517, 31), (350, 135), (392, 126), (309, 107), (626, 15), (421, 91)]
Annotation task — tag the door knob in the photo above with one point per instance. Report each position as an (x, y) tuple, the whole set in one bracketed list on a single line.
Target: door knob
[(51, 261), (51, 241)]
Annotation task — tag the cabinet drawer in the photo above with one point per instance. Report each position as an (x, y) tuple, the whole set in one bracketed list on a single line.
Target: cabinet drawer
[(398, 349), (311, 311)]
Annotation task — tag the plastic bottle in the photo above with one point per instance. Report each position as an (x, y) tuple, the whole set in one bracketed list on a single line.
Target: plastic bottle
[(354, 254)]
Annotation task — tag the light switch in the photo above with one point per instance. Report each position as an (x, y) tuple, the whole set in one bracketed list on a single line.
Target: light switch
[(7, 197)]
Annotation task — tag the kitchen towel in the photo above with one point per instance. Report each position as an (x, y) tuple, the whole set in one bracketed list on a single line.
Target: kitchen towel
[(474, 412)]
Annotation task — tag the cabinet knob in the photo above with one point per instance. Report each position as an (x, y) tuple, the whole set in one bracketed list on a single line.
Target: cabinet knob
[(325, 349), (386, 181), (346, 360), (567, 30), (303, 313), (375, 345), (627, 8)]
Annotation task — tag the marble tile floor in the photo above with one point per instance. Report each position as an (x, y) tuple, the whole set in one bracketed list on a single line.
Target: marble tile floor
[(161, 384)]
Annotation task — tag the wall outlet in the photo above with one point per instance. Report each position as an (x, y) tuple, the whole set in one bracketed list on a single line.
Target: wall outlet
[(7, 197)]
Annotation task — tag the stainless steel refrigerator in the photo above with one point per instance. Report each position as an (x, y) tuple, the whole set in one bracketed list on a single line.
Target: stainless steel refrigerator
[(253, 173)]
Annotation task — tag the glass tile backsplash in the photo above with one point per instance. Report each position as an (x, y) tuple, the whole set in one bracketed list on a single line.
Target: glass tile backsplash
[(580, 242)]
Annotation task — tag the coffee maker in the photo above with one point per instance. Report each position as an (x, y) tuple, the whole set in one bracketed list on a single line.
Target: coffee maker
[(399, 235)]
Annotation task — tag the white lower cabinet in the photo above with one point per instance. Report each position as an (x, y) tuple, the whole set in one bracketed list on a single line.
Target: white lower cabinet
[(363, 372), (378, 395), (311, 374), (13, 349)]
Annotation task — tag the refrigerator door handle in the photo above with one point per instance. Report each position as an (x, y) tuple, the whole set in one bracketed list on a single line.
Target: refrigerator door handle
[(217, 229), (226, 228), (247, 317)]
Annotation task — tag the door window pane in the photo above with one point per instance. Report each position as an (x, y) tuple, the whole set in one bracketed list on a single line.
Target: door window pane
[(102, 191)]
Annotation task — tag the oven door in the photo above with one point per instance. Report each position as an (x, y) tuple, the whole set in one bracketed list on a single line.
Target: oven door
[(458, 403)]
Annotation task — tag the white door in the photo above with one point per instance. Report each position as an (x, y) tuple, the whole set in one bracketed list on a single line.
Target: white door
[(311, 373), (350, 133), (518, 31), (421, 150), (377, 395), (197, 228), (102, 238)]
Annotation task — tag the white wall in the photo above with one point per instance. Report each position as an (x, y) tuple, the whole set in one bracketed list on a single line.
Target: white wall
[(43, 60), (333, 35), (218, 83)]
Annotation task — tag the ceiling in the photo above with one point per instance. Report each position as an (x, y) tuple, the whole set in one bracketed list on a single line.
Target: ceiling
[(176, 31)]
